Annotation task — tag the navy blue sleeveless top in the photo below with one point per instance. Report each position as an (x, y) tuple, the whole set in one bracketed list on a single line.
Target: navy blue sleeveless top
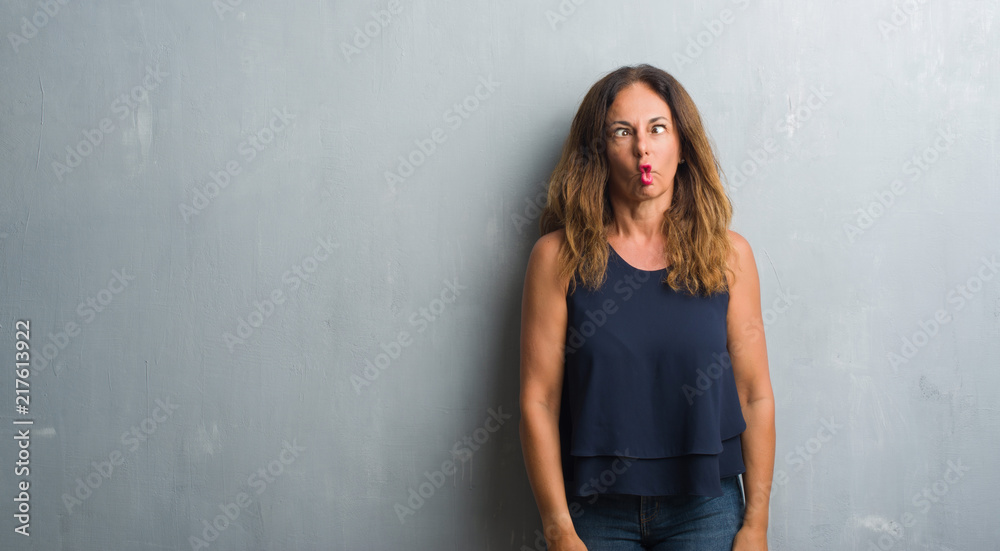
[(649, 400)]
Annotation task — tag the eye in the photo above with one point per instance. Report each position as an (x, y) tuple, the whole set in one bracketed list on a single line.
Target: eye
[(663, 126), (616, 131)]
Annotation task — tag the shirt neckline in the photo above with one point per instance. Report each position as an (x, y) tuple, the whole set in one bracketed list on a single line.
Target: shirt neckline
[(625, 262)]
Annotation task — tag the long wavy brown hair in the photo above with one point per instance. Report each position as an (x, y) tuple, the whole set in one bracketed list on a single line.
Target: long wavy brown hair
[(697, 222)]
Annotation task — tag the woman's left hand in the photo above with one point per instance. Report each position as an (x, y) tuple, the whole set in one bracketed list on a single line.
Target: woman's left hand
[(750, 539)]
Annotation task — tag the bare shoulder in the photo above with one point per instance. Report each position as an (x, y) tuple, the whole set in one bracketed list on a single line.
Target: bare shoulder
[(545, 253), (544, 260), (548, 244), (741, 247), (741, 260)]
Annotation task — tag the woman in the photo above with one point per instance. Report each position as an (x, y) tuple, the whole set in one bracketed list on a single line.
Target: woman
[(644, 380)]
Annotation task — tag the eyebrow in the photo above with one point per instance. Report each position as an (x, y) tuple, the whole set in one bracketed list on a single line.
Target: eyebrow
[(624, 123)]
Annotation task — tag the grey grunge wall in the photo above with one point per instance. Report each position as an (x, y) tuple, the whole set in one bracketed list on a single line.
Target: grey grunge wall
[(261, 263)]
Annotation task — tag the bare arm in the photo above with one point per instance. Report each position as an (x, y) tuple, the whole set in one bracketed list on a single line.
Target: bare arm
[(543, 334), (748, 350)]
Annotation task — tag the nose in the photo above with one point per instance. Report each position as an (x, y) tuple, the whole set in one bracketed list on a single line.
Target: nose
[(641, 145)]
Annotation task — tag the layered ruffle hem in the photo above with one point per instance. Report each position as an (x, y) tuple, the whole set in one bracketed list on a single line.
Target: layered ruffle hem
[(649, 400)]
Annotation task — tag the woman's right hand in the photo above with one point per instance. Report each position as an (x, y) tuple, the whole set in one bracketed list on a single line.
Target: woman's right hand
[(571, 542)]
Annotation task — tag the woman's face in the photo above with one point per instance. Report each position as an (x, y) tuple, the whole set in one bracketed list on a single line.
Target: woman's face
[(643, 144)]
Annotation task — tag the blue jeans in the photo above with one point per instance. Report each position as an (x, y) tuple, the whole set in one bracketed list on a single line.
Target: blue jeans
[(618, 522)]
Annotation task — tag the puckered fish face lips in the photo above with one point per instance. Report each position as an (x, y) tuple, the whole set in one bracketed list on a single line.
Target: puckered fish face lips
[(647, 174)]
